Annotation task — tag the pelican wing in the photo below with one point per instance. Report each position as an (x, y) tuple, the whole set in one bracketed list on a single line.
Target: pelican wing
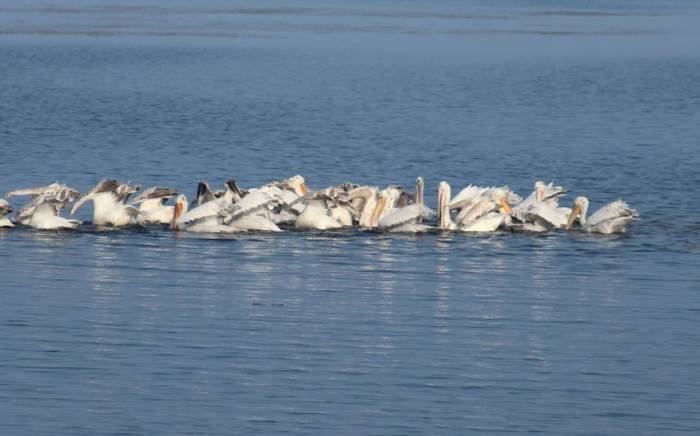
[(155, 193), (553, 192), (480, 208), (120, 192), (615, 210), (405, 215), (104, 186), (254, 201), (26, 191), (54, 192), (205, 211), (466, 197), (549, 214)]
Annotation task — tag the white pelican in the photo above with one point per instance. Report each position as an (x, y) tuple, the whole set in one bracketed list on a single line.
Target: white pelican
[(611, 218), (152, 208), (287, 194), (467, 197), (5, 208), (230, 194), (250, 212), (540, 211), (316, 216), (42, 212), (108, 198), (406, 218), (361, 202), (542, 217), (479, 211), (338, 205), (222, 215), (330, 208), (207, 218)]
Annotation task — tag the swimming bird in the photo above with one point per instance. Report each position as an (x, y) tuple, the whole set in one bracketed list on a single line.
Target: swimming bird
[(207, 218), (231, 193), (108, 198), (43, 211), (5, 208), (405, 218), (290, 195), (317, 215), (540, 211), (609, 219), (251, 212), (542, 217), (362, 201), (151, 205), (481, 211)]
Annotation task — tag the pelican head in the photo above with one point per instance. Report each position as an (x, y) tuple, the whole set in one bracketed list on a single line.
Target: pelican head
[(580, 210), (297, 184), (420, 187), (179, 209), (539, 190), (443, 206), (500, 196), (5, 207)]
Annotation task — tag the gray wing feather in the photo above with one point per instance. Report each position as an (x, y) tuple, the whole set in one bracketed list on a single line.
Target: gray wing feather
[(154, 194)]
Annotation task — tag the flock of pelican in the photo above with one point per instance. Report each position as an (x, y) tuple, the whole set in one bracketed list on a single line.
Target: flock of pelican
[(290, 204)]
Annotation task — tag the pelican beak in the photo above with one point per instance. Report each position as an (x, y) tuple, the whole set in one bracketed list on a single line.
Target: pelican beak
[(441, 210), (303, 189), (576, 211), (377, 211), (505, 206), (176, 215)]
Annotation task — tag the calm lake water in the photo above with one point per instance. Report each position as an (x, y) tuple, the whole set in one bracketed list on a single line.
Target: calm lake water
[(143, 331)]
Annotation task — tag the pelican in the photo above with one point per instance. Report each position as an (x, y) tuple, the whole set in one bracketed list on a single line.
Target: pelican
[(207, 218), (317, 216), (337, 204), (406, 218), (230, 194), (363, 202), (385, 201), (330, 208), (540, 211), (609, 219), (542, 217), (152, 208), (42, 212), (479, 212), (5, 208), (204, 194), (250, 212), (109, 209), (289, 194), (470, 195)]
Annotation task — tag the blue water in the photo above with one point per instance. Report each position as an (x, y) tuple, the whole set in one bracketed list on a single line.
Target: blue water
[(144, 331)]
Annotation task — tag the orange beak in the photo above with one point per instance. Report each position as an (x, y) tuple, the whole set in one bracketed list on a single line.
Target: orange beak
[(176, 215), (574, 213), (377, 211), (505, 206)]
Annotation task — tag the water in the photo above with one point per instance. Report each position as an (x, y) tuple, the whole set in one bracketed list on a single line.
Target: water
[(149, 332)]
